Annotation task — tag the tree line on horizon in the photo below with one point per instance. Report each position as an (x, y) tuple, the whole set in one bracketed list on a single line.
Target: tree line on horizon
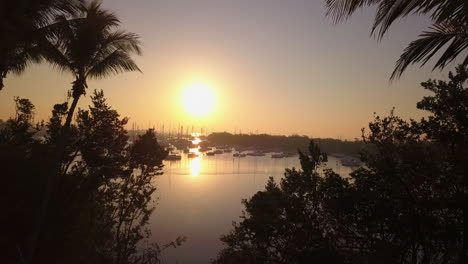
[(286, 143)]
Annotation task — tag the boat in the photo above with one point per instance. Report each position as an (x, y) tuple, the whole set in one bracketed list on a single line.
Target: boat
[(350, 162), (218, 151), (256, 154), (227, 150), (289, 154), (277, 156), (210, 153), (239, 155)]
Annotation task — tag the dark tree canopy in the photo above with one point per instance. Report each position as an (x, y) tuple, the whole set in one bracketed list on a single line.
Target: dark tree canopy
[(407, 204), (99, 210), (23, 23)]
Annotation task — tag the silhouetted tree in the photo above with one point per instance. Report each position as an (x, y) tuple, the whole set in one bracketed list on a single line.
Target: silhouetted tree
[(88, 45), (449, 31), (406, 205), (23, 23), (99, 210), (287, 223), (448, 127)]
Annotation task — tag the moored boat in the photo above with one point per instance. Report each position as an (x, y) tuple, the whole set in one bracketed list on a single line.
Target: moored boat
[(350, 162), (277, 156)]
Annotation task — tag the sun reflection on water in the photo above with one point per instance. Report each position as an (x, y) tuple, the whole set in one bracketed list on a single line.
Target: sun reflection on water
[(195, 154), (195, 166)]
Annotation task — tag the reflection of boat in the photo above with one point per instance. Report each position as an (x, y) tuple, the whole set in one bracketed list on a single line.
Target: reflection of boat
[(350, 162), (277, 156), (239, 155), (173, 157)]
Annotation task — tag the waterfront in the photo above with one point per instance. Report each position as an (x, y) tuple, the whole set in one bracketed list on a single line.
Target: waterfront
[(200, 198)]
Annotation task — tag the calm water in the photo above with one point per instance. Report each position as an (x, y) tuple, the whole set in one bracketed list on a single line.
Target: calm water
[(200, 198)]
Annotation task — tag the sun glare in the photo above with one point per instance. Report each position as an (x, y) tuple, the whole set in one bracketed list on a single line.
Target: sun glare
[(198, 100)]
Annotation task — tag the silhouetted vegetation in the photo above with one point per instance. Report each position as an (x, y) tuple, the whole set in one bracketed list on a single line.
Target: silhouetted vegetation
[(406, 205), (99, 210), (285, 143), (449, 29), (23, 25), (81, 192)]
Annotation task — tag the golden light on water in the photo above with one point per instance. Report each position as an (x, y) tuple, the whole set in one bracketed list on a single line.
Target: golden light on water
[(195, 166), (195, 162), (198, 100)]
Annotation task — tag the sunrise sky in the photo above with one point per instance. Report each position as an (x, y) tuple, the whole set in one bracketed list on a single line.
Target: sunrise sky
[(272, 66)]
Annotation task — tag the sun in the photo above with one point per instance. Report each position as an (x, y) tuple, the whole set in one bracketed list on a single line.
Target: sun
[(198, 100)]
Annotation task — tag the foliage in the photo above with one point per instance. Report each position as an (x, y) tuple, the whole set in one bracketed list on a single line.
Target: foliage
[(406, 205), (101, 205), (88, 44), (449, 31), (22, 24)]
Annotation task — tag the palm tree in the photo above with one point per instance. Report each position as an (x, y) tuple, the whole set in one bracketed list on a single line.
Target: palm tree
[(87, 45), (449, 31), (21, 24)]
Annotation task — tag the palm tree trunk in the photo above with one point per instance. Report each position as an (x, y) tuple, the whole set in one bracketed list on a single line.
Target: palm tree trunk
[(52, 178)]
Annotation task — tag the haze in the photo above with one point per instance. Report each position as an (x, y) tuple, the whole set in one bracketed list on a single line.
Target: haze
[(275, 66)]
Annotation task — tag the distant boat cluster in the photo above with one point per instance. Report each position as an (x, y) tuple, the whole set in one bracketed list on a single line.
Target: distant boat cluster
[(199, 146)]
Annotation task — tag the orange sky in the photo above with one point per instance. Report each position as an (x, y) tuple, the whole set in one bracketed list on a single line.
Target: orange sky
[(277, 67)]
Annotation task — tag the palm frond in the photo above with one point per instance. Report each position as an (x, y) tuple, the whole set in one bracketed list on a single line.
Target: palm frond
[(24, 57), (129, 42), (391, 10), (341, 10), (453, 35), (22, 24), (388, 11), (53, 54), (115, 63), (450, 26)]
